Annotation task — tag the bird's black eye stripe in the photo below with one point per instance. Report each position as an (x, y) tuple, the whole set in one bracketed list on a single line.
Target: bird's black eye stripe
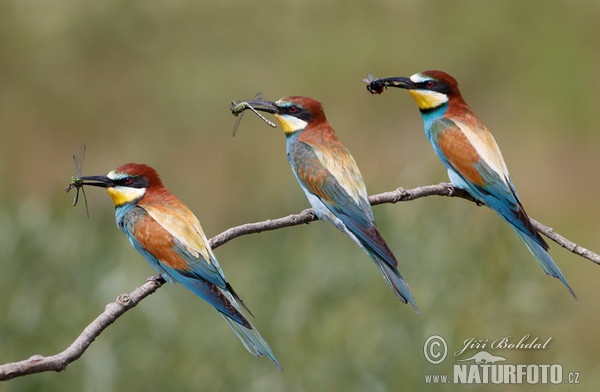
[(133, 182), (429, 85), (298, 112), (293, 110), (434, 85)]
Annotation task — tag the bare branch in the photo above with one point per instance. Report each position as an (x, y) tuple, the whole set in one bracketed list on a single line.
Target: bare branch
[(308, 215), (395, 196), (305, 216), (124, 302), (565, 243)]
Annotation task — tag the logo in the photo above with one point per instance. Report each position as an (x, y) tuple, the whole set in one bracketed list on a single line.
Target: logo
[(478, 362), (483, 357), (435, 349)]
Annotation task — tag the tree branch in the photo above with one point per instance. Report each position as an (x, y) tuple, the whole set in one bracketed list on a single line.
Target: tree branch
[(124, 302), (392, 197)]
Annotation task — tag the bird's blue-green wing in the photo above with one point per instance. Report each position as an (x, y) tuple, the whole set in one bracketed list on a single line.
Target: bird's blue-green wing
[(195, 257), (476, 165), (333, 177)]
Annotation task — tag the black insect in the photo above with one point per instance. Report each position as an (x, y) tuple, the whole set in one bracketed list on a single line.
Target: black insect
[(375, 86)]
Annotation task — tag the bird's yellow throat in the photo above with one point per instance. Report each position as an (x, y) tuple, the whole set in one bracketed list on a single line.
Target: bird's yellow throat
[(290, 124), (428, 99), (123, 195)]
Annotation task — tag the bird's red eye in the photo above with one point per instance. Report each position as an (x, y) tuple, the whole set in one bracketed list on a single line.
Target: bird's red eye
[(293, 109), (128, 181), (430, 84)]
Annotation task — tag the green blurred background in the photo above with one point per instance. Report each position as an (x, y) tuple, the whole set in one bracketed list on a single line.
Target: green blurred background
[(151, 81)]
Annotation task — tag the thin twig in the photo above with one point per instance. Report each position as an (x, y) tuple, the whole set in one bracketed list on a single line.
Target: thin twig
[(124, 302), (565, 243), (308, 215)]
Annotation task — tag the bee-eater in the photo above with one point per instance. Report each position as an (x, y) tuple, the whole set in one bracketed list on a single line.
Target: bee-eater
[(332, 182), (170, 237), (470, 154)]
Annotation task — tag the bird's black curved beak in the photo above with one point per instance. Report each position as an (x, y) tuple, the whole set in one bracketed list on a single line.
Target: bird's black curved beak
[(100, 181), (257, 104), (264, 106), (378, 85)]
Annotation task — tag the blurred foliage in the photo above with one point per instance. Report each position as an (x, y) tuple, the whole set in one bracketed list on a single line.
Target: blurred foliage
[(151, 80)]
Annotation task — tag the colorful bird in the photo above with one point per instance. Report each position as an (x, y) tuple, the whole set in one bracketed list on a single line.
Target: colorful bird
[(470, 154), (332, 182), (170, 237)]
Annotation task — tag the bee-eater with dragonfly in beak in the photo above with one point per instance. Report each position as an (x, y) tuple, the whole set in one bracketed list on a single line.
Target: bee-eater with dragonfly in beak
[(331, 180), (470, 154), (170, 238)]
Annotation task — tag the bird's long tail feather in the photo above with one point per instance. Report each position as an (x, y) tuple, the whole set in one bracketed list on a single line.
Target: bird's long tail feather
[(544, 259), (396, 282), (252, 340), (225, 300), (376, 247)]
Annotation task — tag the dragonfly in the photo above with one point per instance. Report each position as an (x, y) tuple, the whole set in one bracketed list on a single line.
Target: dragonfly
[(238, 108), (76, 181)]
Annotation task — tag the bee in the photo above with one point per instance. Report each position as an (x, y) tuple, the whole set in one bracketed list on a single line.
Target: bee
[(374, 85)]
